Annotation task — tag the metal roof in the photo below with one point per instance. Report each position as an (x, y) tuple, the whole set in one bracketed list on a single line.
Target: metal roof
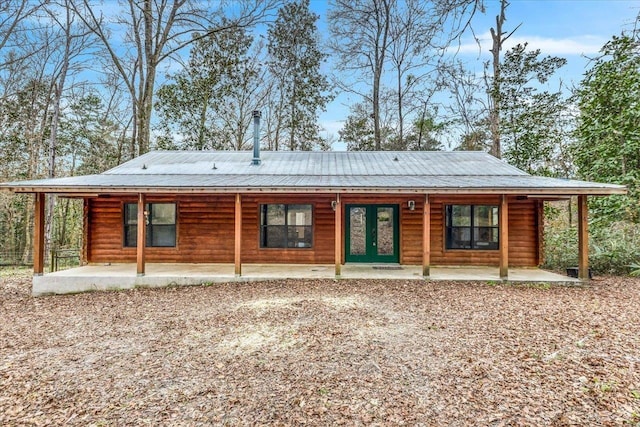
[(317, 163), (388, 171)]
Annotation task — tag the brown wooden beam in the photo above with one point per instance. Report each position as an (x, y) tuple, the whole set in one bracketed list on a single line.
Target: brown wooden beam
[(540, 227), (238, 236), (583, 239), (338, 236), (38, 234), (504, 237), (86, 209), (426, 238), (141, 236)]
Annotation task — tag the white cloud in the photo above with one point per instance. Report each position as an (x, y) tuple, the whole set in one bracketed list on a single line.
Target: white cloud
[(331, 126), (583, 45)]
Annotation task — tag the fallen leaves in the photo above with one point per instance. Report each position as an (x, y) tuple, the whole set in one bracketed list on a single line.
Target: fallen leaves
[(323, 352)]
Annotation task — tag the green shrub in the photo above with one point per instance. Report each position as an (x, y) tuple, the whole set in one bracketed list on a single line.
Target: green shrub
[(560, 247), (613, 249)]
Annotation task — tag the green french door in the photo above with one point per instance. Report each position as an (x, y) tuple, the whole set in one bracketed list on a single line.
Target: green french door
[(371, 233)]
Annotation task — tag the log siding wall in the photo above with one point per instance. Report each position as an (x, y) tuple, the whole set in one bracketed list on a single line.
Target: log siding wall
[(322, 250), (205, 231), (523, 234)]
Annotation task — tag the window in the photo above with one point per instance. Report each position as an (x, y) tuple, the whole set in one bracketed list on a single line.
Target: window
[(286, 226), (161, 224), (472, 227)]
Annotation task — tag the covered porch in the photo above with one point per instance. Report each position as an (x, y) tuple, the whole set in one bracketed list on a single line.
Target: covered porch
[(97, 277), (255, 268)]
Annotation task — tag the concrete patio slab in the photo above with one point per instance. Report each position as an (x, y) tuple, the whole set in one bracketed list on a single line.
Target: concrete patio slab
[(96, 277)]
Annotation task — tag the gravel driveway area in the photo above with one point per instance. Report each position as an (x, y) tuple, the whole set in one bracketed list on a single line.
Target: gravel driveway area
[(322, 352)]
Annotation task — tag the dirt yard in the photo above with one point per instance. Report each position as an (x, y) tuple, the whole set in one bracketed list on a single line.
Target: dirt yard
[(323, 353)]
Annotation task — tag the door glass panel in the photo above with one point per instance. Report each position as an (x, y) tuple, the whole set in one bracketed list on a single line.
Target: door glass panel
[(357, 230), (384, 232)]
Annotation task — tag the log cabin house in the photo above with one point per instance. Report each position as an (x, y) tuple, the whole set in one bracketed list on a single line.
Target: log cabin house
[(219, 207), (406, 208)]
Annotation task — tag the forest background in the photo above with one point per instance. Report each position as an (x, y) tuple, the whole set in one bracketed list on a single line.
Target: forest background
[(86, 85)]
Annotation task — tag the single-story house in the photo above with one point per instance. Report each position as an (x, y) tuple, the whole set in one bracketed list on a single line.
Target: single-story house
[(406, 208)]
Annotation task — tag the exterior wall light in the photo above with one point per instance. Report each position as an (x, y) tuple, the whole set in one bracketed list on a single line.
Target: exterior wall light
[(412, 205)]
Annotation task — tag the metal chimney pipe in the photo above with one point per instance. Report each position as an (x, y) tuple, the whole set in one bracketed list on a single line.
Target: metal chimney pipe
[(256, 137)]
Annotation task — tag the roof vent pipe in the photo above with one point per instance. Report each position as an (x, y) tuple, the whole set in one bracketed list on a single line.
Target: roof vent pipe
[(256, 137)]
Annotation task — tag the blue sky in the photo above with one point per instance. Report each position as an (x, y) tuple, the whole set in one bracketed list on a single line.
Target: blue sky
[(573, 29)]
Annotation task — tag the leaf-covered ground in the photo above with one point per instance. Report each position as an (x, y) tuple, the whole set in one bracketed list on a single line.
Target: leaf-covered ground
[(323, 353)]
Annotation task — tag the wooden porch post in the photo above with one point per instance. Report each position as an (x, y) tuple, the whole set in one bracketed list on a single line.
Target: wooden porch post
[(238, 236), (504, 237), (583, 239), (426, 238), (141, 235), (38, 235), (86, 230), (338, 236)]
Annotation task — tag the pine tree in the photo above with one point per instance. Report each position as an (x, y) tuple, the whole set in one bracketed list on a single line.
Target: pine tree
[(302, 90), (532, 120), (201, 104)]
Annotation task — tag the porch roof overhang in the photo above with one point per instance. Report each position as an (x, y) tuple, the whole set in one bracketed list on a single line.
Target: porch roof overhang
[(171, 172), (92, 185)]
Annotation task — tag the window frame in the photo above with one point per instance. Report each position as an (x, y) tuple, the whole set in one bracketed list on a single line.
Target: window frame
[(262, 207), (150, 227), (472, 227)]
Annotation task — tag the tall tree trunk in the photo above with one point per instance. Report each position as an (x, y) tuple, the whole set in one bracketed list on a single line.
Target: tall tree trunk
[(377, 134), (27, 253), (202, 122), (400, 113), (279, 120), (63, 239), (55, 120), (424, 113), (147, 84), (494, 91), (134, 129), (383, 36), (35, 138), (498, 37), (292, 118)]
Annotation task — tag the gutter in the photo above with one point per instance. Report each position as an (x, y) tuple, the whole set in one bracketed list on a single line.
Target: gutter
[(532, 192)]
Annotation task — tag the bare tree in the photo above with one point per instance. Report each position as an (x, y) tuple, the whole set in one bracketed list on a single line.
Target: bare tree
[(72, 41), (12, 13), (155, 32), (372, 37), (498, 37), (361, 40), (419, 38), (16, 42), (467, 109)]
